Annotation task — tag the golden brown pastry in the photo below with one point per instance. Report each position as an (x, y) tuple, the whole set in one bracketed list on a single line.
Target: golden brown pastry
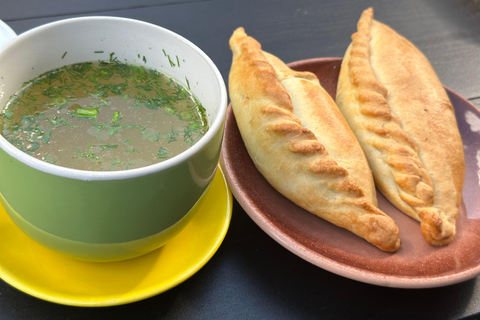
[(302, 145), (402, 117)]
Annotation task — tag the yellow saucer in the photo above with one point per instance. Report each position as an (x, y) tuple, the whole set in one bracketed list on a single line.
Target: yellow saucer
[(50, 276)]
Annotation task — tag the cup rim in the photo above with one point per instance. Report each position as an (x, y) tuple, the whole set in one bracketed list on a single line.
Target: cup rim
[(87, 175)]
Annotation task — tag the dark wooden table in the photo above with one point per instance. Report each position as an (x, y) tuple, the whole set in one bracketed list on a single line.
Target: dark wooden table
[(252, 276)]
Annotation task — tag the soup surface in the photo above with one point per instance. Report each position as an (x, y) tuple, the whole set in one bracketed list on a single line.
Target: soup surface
[(103, 116)]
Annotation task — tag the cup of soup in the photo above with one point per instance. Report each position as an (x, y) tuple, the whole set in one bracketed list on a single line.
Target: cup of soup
[(111, 134)]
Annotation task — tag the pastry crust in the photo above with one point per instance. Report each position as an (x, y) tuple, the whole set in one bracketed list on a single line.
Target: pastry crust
[(297, 137), (402, 117)]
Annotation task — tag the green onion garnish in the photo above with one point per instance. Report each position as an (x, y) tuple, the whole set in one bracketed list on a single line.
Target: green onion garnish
[(87, 113), (116, 116)]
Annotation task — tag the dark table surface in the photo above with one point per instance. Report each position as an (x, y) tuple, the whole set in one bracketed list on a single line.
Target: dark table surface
[(251, 276)]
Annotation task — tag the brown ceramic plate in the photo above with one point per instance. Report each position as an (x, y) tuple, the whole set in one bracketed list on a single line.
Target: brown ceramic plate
[(416, 265)]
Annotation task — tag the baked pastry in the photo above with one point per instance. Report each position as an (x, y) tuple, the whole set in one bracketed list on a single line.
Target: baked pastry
[(402, 117), (302, 145)]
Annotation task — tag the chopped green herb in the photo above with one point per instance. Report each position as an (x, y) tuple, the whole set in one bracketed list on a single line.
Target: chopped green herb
[(93, 78), (105, 73), (60, 101), (87, 113), (50, 159), (116, 117), (151, 135), (87, 154), (195, 126), (58, 122), (170, 110), (171, 136), (164, 153), (106, 146), (172, 64), (123, 165), (186, 115), (112, 58)]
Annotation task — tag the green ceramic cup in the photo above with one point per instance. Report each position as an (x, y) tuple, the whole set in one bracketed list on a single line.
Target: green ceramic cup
[(108, 216)]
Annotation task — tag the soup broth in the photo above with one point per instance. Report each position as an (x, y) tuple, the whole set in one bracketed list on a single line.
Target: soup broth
[(103, 116)]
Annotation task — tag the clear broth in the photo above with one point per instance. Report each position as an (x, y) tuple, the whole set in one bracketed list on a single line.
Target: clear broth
[(103, 116)]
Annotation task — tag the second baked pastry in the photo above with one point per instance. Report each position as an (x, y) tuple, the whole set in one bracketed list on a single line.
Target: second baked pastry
[(402, 117)]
